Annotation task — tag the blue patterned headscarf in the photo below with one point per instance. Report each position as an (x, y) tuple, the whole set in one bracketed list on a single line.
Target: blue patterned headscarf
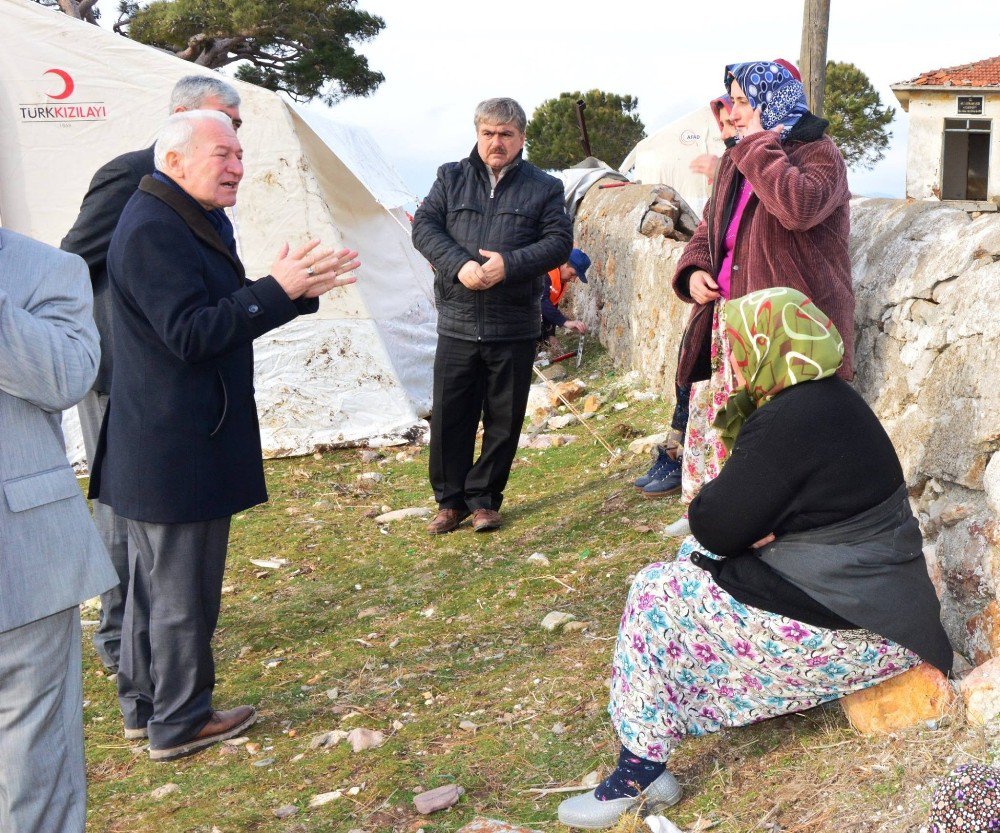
[(770, 86)]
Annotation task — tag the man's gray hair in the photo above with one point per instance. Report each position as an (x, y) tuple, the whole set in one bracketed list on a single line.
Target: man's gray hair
[(501, 111), (177, 133), (192, 90)]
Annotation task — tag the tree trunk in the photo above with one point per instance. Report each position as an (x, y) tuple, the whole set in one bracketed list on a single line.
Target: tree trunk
[(812, 60)]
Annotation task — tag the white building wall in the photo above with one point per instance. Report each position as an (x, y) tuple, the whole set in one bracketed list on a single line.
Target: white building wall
[(925, 150)]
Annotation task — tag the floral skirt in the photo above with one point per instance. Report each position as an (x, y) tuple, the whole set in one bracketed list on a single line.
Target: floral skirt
[(690, 659), (704, 452)]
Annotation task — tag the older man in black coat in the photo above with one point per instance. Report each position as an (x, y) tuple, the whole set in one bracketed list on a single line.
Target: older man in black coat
[(110, 189), (180, 447)]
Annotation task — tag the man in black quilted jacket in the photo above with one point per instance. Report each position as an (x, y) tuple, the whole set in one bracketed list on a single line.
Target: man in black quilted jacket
[(492, 226)]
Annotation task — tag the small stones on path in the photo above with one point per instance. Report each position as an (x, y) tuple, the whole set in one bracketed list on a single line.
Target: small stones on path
[(162, 792), (439, 798), (264, 762), (557, 619), (371, 477), (362, 739), (467, 726), (285, 811), (575, 627), (242, 739), (538, 558), (591, 779)]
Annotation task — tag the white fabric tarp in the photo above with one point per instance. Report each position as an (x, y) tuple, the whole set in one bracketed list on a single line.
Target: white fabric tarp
[(73, 95), (664, 157)]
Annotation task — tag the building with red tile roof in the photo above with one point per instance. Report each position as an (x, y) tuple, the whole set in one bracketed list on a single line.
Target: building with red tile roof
[(952, 152)]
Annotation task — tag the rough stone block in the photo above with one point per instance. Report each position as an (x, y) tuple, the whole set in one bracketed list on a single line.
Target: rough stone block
[(981, 693), (984, 633), (494, 826), (569, 391), (917, 695)]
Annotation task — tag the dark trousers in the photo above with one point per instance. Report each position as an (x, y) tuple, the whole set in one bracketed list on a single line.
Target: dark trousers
[(114, 533), (167, 673), (473, 380)]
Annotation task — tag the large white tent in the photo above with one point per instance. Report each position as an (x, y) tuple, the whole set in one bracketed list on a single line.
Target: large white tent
[(73, 95), (664, 157)]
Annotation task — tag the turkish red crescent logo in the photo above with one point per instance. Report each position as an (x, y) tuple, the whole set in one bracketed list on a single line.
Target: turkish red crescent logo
[(67, 81)]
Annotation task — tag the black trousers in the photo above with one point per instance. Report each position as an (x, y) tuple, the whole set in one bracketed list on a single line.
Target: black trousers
[(472, 381), (167, 672)]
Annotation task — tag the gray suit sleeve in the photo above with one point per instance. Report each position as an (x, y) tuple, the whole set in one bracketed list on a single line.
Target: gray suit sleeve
[(49, 350)]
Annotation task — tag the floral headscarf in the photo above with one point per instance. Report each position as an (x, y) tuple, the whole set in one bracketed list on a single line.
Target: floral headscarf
[(772, 87), (778, 338)]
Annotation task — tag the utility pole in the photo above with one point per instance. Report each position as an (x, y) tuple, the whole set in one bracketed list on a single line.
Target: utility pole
[(581, 120), (812, 60)]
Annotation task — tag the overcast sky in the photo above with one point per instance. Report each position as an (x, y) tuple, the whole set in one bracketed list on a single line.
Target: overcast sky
[(440, 58)]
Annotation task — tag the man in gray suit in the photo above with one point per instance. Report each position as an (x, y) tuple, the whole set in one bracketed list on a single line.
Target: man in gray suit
[(51, 557), (112, 186)]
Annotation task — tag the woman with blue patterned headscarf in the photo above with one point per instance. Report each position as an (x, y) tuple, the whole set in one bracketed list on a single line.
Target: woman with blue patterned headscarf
[(772, 89)]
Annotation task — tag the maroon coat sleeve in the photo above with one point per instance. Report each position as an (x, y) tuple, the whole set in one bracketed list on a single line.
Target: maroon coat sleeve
[(695, 256), (802, 193)]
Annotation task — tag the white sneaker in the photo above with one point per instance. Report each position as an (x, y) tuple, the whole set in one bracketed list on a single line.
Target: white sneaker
[(588, 813), (678, 529)]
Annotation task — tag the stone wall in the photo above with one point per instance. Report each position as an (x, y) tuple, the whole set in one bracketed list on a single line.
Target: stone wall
[(927, 279)]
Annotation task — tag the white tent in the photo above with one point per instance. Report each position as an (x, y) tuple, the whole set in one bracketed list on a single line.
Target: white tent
[(73, 95), (665, 156)]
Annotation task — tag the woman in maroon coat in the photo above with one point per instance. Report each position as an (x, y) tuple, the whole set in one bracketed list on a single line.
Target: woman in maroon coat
[(778, 216)]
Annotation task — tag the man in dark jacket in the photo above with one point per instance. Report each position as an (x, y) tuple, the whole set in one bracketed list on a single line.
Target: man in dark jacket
[(492, 226), (180, 450), (112, 186)]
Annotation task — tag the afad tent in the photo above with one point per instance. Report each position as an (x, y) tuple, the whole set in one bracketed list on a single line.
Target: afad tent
[(73, 95), (664, 157)]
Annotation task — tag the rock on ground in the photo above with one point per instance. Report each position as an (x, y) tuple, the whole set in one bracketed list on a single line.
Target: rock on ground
[(913, 697), (645, 445), (479, 825), (285, 811), (402, 514), (361, 739), (439, 798), (556, 619), (162, 792), (981, 693)]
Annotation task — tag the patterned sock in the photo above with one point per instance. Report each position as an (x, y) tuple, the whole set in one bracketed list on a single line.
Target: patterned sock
[(632, 775)]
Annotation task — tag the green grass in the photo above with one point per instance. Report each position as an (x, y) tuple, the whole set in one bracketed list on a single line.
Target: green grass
[(418, 633)]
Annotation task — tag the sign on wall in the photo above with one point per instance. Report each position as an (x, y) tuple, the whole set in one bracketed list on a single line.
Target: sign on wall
[(970, 105)]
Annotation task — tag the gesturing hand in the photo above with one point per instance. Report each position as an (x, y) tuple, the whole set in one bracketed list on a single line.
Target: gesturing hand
[(704, 164), (702, 287), (576, 326), (309, 272)]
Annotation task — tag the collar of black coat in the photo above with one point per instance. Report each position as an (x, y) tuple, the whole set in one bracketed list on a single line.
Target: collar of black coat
[(809, 128), (194, 217), (477, 162)]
